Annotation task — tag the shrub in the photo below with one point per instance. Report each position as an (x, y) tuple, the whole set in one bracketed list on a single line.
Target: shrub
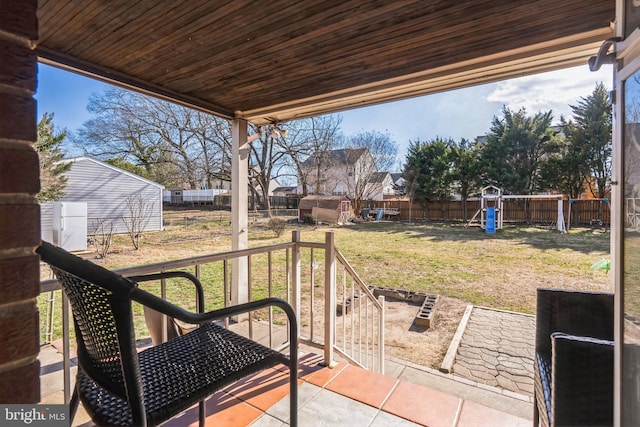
[(277, 225)]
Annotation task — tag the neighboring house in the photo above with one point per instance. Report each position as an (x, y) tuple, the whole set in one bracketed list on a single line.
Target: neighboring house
[(380, 186), (399, 183), (273, 184), (105, 189), (285, 192), (340, 172)]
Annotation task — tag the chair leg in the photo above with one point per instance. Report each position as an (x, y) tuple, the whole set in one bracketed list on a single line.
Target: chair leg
[(202, 413), (73, 405)]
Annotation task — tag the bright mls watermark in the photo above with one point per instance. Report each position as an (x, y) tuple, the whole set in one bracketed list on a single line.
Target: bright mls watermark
[(34, 415)]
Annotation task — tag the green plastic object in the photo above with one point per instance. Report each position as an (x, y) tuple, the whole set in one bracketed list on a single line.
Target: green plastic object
[(603, 264)]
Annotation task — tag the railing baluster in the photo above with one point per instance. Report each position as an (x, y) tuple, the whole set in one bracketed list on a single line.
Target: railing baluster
[(198, 273), (312, 281), (293, 292), (344, 308), (249, 294), (288, 285), (381, 336), (225, 289), (163, 295), (366, 332), (353, 328), (270, 286), (66, 357)]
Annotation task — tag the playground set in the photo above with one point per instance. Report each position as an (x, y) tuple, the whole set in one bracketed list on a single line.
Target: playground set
[(492, 208)]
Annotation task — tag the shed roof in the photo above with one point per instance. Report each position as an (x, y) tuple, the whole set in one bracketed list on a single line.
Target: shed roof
[(284, 59), (323, 202), (117, 169)]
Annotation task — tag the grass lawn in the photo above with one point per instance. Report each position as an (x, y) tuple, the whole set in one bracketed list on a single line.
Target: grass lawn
[(500, 271)]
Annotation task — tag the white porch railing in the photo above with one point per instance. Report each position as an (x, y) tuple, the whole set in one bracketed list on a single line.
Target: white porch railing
[(336, 311)]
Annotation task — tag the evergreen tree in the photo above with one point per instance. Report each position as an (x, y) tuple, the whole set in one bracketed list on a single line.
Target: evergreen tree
[(567, 167), (428, 170), (466, 171), (52, 169), (591, 131), (517, 146)]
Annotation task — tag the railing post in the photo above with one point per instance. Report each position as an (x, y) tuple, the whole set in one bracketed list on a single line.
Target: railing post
[(381, 335), (329, 297), (295, 276)]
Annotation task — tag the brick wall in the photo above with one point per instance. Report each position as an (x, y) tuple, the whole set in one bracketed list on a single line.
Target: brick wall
[(19, 213)]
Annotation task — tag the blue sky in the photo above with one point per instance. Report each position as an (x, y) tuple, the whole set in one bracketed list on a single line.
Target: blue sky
[(463, 113)]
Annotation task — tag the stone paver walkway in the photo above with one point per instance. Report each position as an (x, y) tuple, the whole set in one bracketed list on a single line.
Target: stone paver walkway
[(497, 349)]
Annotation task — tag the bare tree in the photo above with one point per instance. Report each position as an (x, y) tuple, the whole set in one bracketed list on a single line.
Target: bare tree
[(370, 152), (102, 236), (140, 211), (175, 144), (267, 162), (307, 144)]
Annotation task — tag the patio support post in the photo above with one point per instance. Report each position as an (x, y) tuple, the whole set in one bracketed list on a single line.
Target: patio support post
[(329, 298), (295, 275), (239, 210)]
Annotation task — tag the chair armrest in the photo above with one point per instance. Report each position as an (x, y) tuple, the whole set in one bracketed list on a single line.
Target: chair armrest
[(582, 380), (173, 274), (148, 299)]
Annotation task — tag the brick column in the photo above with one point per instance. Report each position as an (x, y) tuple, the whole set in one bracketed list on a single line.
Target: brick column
[(19, 212)]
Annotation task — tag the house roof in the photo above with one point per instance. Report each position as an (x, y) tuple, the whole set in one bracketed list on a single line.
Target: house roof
[(378, 177), (108, 166), (343, 156), (284, 59), (396, 176), (284, 189)]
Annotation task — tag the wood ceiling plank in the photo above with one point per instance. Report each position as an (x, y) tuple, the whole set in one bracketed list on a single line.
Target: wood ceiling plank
[(295, 53), (366, 50), (170, 33), (231, 43), (108, 44), (477, 49), (249, 55)]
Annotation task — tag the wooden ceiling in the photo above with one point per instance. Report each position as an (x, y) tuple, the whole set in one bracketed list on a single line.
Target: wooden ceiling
[(274, 60)]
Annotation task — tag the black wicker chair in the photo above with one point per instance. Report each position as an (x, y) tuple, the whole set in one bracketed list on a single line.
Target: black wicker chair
[(573, 375), (119, 386)]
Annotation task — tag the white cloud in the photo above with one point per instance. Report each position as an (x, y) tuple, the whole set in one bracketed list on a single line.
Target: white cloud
[(555, 90)]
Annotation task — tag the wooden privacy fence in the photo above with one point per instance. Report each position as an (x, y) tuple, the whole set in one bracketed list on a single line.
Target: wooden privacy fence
[(583, 212)]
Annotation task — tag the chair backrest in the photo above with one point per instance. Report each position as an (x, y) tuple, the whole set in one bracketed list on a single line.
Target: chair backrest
[(103, 321), (587, 314)]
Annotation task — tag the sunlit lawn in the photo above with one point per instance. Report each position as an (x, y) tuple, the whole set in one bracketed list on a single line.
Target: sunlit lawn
[(501, 271)]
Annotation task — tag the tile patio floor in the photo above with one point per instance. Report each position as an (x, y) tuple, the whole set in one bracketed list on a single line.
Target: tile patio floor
[(342, 396)]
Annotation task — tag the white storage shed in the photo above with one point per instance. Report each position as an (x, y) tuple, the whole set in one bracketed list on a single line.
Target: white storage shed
[(105, 189)]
